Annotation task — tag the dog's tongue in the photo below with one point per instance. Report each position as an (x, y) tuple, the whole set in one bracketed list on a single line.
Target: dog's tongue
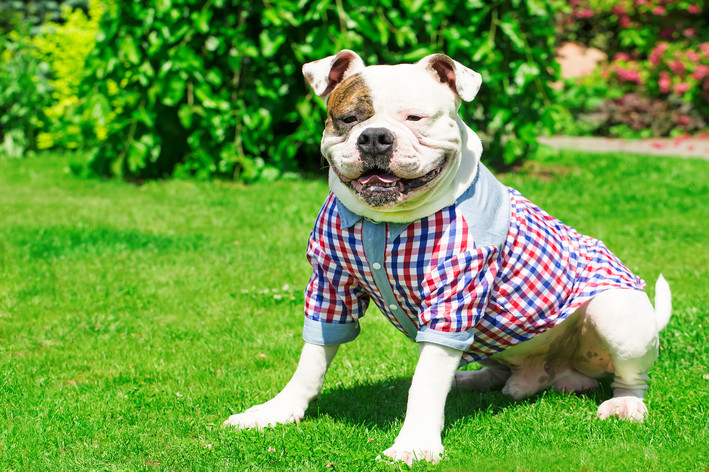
[(378, 179)]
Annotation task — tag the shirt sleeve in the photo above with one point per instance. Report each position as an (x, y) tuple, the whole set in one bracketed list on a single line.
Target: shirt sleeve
[(334, 301), (455, 296)]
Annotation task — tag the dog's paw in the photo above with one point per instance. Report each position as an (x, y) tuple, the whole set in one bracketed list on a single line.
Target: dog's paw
[(625, 408), (409, 451), (269, 414)]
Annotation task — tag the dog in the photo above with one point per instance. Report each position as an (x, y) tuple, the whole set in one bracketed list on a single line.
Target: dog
[(467, 268)]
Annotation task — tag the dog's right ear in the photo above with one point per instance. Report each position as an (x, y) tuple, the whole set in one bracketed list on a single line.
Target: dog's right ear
[(326, 74)]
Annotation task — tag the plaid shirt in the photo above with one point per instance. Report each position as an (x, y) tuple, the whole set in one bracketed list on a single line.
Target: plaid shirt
[(436, 282)]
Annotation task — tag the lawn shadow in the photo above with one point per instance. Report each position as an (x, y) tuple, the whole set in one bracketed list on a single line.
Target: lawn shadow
[(57, 241), (381, 404)]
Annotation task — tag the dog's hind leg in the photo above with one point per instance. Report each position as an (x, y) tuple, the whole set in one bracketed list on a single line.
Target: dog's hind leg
[(493, 374), (625, 322)]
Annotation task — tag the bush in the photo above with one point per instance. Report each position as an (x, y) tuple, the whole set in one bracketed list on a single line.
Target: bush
[(24, 94), (657, 80), (64, 46), (41, 65), (213, 88)]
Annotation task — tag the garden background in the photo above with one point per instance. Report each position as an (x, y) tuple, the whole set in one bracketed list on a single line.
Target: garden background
[(160, 173)]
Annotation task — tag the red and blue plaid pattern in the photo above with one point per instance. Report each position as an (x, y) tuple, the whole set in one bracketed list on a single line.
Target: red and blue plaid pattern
[(443, 281)]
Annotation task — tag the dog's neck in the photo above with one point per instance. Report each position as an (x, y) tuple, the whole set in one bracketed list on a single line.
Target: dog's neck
[(459, 174)]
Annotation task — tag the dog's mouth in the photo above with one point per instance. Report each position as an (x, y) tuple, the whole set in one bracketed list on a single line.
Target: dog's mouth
[(384, 182)]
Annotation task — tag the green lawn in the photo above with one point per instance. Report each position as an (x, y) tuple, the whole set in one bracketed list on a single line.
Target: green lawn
[(135, 319)]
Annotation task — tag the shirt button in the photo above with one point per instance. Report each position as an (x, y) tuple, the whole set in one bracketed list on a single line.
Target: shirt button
[(393, 307), (376, 266)]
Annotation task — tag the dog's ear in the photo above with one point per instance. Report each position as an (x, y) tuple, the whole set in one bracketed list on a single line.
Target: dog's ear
[(462, 81), (326, 74)]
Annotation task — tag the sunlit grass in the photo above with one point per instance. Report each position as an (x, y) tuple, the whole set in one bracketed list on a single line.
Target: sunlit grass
[(134, 320)]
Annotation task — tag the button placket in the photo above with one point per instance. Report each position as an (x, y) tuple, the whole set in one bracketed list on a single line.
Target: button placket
[(374, 238)]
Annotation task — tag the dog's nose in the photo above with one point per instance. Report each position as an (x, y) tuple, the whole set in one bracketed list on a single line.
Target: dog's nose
[(375, 141)]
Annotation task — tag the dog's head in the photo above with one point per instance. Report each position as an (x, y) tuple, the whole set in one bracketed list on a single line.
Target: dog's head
[(392, 132)]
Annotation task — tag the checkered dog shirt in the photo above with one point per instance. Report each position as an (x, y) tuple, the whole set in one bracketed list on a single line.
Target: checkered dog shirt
[(486, 273)]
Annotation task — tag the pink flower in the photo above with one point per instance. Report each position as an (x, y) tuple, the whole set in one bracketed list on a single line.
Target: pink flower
[(693, 56), (659, 10), (625, 22), (618, 11), (677, 67), (694, 9), (628, 75), (587, 13), (657, 53), (685, 119), (664, 82), (621, 56), (689, 32), (704, 47), (701, 72), (680, 88)]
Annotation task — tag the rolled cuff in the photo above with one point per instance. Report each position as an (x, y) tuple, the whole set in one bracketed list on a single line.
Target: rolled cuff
[(329, 334), (460, 341)]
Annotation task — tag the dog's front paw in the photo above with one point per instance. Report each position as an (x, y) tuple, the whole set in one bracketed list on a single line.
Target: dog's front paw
[(625, 408), (269, 414), (410, 451)]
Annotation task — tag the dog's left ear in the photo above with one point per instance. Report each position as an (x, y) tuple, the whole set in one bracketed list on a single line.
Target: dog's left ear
[(462, 81), (326, 74)]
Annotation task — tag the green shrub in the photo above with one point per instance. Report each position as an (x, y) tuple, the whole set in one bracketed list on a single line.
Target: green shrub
[(214, 87), (24, 93), (64, 46), (43, 48), (657, 80)]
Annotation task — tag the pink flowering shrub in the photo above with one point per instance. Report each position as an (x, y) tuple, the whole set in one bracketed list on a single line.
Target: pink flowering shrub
[(659, 60)]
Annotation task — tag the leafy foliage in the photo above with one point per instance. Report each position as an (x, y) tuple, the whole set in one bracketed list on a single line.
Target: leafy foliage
[(24, 93), (213, 87), (33, 13), (659, 71), (41, 65), (64, 46)]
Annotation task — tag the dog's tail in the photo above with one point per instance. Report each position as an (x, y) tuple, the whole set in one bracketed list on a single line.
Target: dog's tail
[(663, 303)]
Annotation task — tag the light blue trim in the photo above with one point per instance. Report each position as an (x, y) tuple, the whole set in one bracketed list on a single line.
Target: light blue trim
[(486, 209), (348, 218), (395, 230), (329, 334), (460, 341), (374, 241)]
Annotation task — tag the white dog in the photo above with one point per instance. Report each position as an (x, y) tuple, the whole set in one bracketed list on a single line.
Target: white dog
[(464, 266)]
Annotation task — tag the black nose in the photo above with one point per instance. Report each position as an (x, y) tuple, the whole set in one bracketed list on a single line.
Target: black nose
[(375, 141)]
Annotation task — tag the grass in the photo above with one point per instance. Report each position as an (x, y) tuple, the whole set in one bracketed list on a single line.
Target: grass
[(134, 320)]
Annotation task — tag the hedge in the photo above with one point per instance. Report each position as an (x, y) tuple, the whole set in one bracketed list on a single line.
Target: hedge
[(214, 88)]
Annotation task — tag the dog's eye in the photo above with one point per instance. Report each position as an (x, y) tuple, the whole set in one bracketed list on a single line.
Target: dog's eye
[(349, 119), (413, 118)]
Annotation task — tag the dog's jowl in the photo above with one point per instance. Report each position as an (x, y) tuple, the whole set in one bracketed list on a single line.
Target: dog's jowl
[(467, 268)]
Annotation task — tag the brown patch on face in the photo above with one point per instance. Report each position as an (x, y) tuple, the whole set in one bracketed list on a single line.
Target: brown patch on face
[(351, 99)]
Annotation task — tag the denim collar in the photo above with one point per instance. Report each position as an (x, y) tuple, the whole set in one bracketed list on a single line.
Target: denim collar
[(349, 218)]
